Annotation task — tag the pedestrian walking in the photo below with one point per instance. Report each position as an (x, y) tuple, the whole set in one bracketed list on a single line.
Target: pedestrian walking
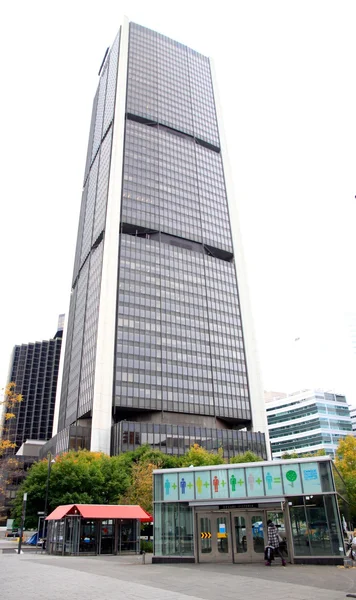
[(273, 542)]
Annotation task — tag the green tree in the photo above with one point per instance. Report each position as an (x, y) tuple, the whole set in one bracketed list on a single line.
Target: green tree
[(246, 457), (290, 455), (294, 454), (345, 462), (76, 477), (88, 478), (199, 457), (140, 489)]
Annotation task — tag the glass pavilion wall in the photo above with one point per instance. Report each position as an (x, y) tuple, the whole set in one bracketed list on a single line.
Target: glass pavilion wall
[(75, 535), (304, 488)]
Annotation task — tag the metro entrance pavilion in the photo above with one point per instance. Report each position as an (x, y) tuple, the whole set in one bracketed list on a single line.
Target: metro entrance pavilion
[(220, 513)]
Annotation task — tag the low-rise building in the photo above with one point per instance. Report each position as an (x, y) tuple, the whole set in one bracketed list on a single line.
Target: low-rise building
[(353, 419), (307, 421)]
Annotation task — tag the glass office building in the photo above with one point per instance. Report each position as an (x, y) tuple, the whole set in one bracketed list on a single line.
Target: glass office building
[(159, 345), (308, 421), (34, 369)]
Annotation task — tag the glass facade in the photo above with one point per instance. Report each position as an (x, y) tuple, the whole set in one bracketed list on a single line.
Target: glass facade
[(315, 526), (80, 352), (314, 421), (179, 342), (299, 496), (177, 439), (34, 369)]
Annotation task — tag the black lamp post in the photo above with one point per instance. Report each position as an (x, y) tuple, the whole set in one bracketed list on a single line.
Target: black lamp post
[(50, 461)]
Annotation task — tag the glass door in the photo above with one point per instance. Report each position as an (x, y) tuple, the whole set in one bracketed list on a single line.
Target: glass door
[(214, 538), (258, 528), (249, 536), (107, 537)]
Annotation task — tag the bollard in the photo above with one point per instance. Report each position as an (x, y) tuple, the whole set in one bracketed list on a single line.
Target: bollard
[(143, 557)]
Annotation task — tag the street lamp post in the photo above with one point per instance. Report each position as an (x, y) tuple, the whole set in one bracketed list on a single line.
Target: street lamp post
[(50, 460), (23, 516)]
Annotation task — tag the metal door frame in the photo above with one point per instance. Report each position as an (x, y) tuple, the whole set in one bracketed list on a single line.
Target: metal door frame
[(250, 556), (214, 555)]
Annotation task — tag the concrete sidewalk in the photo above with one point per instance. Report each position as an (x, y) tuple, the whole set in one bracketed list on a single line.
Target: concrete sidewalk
[(74, 578)]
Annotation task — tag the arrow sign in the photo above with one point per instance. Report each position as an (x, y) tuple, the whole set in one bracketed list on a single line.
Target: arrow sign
[(205, 535)]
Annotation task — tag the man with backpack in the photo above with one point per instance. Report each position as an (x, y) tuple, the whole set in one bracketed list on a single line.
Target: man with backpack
[(273, 542)]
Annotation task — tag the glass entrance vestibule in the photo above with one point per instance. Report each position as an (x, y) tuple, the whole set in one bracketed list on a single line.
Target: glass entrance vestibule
[(220, 513), (236, 535)]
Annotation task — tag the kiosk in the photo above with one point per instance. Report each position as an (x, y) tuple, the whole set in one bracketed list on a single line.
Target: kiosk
[(95, 529)]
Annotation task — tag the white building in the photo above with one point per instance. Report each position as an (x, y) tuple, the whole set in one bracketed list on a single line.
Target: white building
[(353, 419), (307, 421)]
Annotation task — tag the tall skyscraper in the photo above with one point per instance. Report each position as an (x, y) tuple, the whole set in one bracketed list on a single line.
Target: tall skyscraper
[(159, 344), (34, 369)]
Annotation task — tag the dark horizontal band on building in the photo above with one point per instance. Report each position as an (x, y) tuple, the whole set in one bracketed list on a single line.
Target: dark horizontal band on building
[(151, 123), (172, 240), (164, 238)]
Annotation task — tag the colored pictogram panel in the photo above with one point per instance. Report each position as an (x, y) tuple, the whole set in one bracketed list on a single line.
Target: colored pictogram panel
[(291, 479), (202, 485), (170, 486), (254, 481), (219, 483), (311, 478), (205, 535), (237, 483), (273, 480), (186, 486)]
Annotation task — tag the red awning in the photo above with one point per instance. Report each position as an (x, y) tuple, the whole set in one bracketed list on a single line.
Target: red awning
[(101, 511)]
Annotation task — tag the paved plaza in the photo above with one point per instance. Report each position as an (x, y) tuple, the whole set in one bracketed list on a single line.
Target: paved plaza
[(42, 577)]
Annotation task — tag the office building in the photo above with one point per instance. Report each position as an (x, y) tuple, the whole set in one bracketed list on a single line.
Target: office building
[(34, 369), (307, 421), (353, 419), (159, 344)]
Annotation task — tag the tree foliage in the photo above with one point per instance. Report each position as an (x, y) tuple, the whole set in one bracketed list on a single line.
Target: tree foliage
[(246, 457), (292, 455), (197, 456), (10, 467), (10, 403), (94, 478), (140, 488), (345, 462)]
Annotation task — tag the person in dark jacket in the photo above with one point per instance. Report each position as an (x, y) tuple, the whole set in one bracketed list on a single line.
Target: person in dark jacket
[(273, 542)]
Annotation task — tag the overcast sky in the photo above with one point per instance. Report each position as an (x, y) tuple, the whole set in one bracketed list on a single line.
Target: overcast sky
[(286, 75)]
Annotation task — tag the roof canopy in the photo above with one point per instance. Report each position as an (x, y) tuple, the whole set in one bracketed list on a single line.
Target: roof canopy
[(100, 511)]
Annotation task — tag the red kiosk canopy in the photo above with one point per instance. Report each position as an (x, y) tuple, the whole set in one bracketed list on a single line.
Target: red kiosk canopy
[(101, 511)]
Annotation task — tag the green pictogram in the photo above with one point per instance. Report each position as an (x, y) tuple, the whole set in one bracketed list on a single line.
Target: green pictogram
[(240, 482), (259, 481), (190, 485), (292, 477), (223, 483), (207, 484), (174, 486)]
